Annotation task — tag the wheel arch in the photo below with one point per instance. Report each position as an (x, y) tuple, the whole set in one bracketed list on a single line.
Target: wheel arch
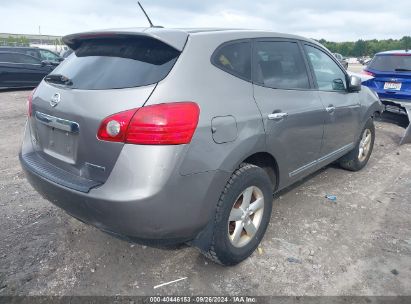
[(267, 162)]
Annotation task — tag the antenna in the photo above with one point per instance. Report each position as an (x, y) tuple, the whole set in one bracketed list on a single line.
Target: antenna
[(149, 21)]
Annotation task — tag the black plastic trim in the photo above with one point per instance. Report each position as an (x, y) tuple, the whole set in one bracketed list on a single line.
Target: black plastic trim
[(39, 166)]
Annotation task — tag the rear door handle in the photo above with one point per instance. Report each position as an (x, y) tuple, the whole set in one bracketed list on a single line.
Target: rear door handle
[(277, 116), (330, 109)]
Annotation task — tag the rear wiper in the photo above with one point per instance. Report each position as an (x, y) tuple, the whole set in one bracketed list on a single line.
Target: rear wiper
[(402, 70), (58, 79)]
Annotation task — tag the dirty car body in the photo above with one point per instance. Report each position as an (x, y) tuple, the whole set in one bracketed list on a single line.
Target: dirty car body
[(153, 186)]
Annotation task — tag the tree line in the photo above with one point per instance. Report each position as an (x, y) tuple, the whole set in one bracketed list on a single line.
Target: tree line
[(24, 41), (358, 48), (361, 47), (10, 41)]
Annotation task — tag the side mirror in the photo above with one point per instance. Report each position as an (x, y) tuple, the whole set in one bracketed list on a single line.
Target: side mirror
[(45, 63), (338, 85), (49, 63), (354, 84), (60, 59)]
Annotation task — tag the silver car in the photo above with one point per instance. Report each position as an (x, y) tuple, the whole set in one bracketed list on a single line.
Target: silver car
[(165, 136)]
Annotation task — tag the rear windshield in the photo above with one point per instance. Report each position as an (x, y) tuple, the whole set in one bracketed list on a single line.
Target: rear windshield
[(391, 63), (115, 63)]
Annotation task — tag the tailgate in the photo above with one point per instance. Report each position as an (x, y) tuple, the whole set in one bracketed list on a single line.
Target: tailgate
[(65, 134), (107, 74)]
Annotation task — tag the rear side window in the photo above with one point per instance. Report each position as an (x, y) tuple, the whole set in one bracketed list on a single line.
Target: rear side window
[(33, 53), (5, 57), (280, 65), (234, 58), (391, 63), (112, 63), (18, 58)]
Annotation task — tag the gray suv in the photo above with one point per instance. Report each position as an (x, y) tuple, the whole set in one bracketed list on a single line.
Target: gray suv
[(164, 136)]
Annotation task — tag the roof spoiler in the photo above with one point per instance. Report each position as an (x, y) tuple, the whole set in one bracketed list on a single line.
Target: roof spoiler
[(174, 38)]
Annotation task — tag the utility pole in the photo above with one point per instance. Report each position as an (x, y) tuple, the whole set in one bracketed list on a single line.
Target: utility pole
[(41, 42)]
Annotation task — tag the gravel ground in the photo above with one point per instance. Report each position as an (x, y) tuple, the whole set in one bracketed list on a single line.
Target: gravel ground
[(359, 245)]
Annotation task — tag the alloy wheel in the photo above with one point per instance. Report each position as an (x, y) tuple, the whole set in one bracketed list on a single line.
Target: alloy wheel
[(245, 216), (365, 145)]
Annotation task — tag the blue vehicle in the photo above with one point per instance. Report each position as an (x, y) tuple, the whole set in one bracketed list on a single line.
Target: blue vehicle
[(391, 72), (390, 77)]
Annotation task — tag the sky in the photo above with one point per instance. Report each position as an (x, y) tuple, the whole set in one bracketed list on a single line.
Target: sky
[(333, 20)]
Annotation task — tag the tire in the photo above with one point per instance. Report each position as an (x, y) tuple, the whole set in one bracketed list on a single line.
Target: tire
[(354, 161), (231, 243)]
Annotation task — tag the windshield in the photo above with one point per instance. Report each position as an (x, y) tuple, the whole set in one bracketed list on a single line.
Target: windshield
[(391, 63), (112, 63)]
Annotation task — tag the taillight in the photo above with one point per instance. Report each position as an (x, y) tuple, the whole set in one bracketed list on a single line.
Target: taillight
[(30, 102), (161, 124), (114, 127), (365, 72)]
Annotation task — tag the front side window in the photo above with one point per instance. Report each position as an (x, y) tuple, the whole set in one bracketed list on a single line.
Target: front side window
[(47, 55), (33, 53), (280, 65), (328, 74), (234, 58)]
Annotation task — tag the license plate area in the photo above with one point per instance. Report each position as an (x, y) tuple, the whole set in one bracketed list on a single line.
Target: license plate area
[(393, 86), (57, 137)]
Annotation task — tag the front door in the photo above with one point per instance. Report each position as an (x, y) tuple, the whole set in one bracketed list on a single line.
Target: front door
[(292, 111), (343, 107)]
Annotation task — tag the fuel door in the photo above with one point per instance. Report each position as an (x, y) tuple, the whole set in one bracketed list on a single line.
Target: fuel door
[(224, 129)]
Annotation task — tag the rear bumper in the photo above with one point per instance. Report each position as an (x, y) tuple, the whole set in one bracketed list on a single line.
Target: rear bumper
[(396, 105), (157, 206)]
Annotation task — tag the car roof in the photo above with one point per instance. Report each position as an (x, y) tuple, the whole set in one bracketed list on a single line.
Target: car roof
[(17, 53), (395, 52), (11, 52), (227, 31), (19, 47), (177, 37)]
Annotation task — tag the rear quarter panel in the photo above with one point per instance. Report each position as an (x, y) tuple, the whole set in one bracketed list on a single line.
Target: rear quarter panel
[(218, 94)]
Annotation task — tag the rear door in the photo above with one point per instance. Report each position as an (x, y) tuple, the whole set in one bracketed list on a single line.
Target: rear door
[(19, 70), (292, 111), (343, 108), (8, 71), (105, 76), (32, 70)]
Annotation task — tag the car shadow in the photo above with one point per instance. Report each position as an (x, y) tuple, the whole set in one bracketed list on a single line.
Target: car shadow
[(297, 184), (16, 89)]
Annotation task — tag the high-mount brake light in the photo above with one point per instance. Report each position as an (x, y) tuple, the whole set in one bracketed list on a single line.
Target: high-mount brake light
[(160, 124)]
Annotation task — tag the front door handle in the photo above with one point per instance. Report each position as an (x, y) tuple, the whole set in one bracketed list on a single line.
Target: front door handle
[(330, 109), (277, 116)]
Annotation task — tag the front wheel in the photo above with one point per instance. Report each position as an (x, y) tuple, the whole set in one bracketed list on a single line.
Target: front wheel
[(359, 156), (242, 215)]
